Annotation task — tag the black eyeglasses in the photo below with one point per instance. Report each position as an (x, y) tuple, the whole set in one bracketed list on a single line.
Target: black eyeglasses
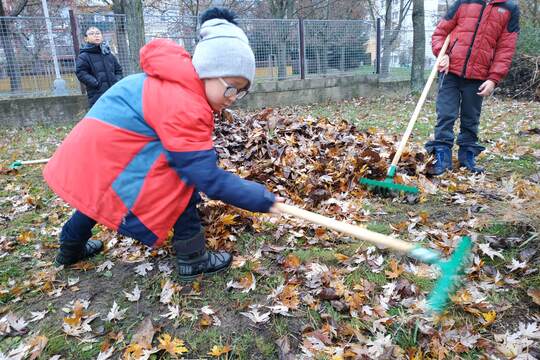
[(231, 91)]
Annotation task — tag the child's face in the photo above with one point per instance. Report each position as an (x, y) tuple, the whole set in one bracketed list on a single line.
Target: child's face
[(93, 36), (215, 91)]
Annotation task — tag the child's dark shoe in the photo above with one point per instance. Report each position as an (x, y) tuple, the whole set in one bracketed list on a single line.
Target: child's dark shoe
[(205, 262), (443, 161), (74, 251), (467, 160)]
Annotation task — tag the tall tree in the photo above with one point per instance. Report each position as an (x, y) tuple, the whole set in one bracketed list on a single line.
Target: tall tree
[(122, 37), (385, 9), (391, 31), (281, 9), (419, 45), (133, 9)]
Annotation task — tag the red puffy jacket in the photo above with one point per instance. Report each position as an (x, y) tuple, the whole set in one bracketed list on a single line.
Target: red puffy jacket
[(483, 38)]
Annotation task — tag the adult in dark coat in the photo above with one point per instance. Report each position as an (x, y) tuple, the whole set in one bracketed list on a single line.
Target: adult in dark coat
[(97, 68)]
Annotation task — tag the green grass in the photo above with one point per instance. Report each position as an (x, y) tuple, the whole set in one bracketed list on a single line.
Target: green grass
[(247, 346), (423, 283), (384, 114), (202, 339), (10, 269), (406, 337), (379, 227), (316, 254), (524, 166), (280, 326), (365, 272), (70, 348), (500, 229)]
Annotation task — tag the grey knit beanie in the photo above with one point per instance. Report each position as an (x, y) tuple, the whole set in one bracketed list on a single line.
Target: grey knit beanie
[(223, 49)]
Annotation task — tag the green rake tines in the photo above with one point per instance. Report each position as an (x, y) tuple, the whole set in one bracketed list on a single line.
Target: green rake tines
[(451, 272), (451, 269), (388, 184)]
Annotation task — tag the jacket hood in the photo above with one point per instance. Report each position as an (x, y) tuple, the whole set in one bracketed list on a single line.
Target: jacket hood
[(166, 60)]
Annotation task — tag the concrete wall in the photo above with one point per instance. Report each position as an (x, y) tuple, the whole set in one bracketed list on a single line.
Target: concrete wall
[(28, 111), (309, 91), (54, 109)]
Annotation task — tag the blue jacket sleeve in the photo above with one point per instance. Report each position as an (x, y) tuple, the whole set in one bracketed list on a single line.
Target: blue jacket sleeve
[(199, 168)]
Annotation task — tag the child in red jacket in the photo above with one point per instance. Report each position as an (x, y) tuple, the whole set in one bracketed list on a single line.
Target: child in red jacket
[(138, 159), (483, 36)]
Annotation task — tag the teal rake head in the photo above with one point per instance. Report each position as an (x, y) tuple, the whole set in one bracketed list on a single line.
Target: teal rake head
[(15, 165), (388, 184), (451, 272)]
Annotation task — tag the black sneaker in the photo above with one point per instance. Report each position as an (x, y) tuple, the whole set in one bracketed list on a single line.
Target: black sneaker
[(71, 253), (208, 263)]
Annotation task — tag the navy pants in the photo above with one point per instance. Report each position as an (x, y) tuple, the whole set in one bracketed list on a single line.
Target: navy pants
[(457, 97), (186, 231)]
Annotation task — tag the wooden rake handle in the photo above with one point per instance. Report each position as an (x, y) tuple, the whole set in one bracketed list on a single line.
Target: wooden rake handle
[(420, 103), (352, 230), (38, 161)]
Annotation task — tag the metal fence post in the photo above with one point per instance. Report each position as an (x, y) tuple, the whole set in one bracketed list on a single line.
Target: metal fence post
[(378, 50), (302, 48), (76, 44)]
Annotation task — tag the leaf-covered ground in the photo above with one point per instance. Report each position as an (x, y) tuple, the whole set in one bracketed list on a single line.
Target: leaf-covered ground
[(295, 290)]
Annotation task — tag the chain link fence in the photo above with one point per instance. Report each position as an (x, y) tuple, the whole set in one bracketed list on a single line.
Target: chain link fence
[(28, 66), (284, 49), (180, 29), (32, 57), (397, 53), (339, 47), (276, 45)]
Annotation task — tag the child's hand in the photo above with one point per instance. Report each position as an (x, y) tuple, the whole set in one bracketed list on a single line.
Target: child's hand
[(444, 64), (486, 88), (273, 209)]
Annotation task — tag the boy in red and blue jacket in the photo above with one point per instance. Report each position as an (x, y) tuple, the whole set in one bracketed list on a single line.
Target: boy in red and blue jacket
[(136, 162), (483, 36)]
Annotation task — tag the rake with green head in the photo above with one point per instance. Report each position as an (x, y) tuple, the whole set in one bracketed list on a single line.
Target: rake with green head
[(19, 163), (389, 185), (451, 269)]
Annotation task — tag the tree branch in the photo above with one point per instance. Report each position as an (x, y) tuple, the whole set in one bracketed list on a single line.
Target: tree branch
[(18, 8)]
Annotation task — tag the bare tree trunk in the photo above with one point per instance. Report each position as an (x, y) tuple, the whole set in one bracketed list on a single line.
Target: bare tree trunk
[(388, 39), (282, 9), (325, 39), (121, 37), (18, 8), (419, 46), (391, 33), (5, 39), (371, 7), (135, 25)]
